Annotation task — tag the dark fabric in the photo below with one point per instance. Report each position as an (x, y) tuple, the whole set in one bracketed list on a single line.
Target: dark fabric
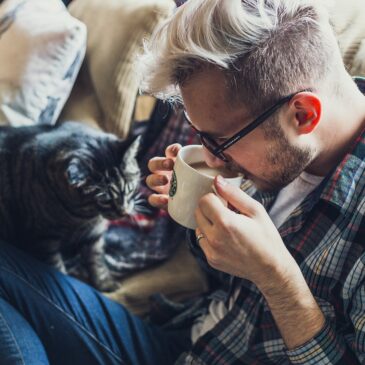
[(66, 2), (47, 317), (180, 2)]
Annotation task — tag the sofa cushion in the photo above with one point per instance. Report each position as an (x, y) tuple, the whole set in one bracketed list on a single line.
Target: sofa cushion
[(178, 278), (41, 50), (108, 78)]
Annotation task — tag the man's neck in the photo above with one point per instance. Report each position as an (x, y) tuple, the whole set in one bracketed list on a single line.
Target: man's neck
[(339, 134)]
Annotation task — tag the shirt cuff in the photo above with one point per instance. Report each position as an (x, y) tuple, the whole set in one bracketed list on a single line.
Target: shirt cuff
[(325, 348)]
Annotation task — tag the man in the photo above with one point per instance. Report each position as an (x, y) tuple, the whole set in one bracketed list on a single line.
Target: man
[(264, 85), (290, 256)]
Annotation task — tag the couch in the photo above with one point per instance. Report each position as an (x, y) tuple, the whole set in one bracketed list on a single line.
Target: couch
[(105, 95)]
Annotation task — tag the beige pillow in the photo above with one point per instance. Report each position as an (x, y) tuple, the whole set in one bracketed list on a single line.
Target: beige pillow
[(108, 80), (41, 50)]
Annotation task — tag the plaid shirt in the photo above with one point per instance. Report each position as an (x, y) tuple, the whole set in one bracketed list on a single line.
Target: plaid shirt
[(326, 236)]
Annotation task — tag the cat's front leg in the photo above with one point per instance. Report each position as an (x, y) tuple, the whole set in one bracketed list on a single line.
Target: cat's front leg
[(55, 259), (93, 255)]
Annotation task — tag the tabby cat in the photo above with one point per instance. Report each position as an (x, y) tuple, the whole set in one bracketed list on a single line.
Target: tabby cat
[(59, 186)]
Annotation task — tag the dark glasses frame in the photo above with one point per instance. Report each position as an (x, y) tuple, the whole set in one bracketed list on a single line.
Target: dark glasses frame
[(217, 149)]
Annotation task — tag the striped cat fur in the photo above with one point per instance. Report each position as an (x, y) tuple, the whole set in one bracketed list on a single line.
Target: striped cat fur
[(59, 186)]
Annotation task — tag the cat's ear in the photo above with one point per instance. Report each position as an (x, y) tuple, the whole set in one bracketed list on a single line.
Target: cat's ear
[(131, 152), (76, 173)]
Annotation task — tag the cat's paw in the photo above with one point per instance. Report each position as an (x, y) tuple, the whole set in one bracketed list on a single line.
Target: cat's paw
[(106, 285)]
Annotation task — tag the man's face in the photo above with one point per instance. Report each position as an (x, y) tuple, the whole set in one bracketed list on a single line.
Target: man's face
[(266, 156)]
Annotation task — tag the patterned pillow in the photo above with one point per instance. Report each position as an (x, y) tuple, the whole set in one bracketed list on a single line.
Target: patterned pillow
[(41, 50)]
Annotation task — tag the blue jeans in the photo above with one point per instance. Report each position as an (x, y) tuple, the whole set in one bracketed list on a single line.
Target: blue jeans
[(50, 318)]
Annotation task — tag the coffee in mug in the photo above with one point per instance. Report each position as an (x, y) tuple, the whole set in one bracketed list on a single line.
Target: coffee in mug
[(204, 169)]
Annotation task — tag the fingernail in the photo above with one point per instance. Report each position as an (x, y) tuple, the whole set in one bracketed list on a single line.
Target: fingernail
[(221, 181), (167, 164), (163, 200)]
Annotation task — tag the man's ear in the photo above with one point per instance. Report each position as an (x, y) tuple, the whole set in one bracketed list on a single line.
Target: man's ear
[(308, 109), (131, 152)]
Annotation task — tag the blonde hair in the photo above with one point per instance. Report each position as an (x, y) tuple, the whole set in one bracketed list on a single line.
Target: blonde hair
[(266, 48)]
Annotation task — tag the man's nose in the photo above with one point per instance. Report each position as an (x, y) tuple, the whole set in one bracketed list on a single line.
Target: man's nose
[(211, 160)]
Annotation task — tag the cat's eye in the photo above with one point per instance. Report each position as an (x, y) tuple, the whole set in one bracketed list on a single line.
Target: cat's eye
[(104, 197), (90, 189)]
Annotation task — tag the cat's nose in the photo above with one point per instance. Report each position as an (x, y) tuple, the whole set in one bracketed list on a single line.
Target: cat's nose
[(119, 210), (129, 208)]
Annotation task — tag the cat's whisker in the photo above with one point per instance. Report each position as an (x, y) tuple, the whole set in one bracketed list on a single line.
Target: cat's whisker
[(143, 209), (139, 195), (140, 203)]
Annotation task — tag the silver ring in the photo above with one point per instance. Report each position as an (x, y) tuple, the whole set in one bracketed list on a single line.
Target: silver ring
[(199, 237)]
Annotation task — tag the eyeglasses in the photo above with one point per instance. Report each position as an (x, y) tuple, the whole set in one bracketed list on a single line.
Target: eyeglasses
[(217, 149)]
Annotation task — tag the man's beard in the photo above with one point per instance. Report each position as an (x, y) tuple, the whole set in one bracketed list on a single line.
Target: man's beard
[(285, 162)]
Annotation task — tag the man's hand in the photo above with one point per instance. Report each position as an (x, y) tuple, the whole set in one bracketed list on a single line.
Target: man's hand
[(248, 245), (159, 180), (244, 244)]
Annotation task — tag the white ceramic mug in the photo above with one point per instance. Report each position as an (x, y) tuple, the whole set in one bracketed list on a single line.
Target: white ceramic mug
[(188, 185)]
